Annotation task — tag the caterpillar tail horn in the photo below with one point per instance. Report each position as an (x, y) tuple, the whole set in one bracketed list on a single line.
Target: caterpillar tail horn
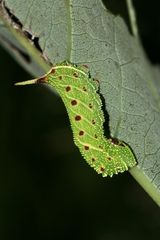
[(42, 79), (28, 82)]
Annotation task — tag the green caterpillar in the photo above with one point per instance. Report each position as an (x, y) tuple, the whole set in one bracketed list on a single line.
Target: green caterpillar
[(79, 94)]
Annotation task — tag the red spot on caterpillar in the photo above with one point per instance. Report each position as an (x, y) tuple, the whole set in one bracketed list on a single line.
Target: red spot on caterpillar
[(81, 133), (90, 105), (42, 80), (93, 121), (68, 88), (74, 102), (86, 147), (60, 77), (75, 75), (53, 70), (84, 89), (102, 169), (77, 118), (115, 141)]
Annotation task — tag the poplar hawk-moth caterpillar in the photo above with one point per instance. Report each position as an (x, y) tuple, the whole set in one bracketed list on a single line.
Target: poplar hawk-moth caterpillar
[(78, 91)]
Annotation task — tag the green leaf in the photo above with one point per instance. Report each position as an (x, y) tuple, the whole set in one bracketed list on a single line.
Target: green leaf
[(84, 32)]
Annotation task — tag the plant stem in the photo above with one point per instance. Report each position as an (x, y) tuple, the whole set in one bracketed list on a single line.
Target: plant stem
[(146, 184), (132, 16)]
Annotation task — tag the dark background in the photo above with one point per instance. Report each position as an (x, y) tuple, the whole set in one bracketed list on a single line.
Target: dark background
[(47, 191)]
